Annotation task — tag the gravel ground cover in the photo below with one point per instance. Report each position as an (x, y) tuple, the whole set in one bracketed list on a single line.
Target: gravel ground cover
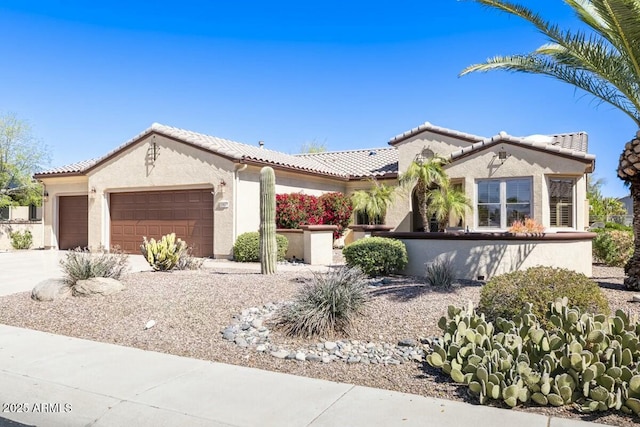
[(191, 308)]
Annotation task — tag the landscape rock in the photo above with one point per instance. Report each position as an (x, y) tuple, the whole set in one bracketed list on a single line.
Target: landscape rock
[(248, 330), (50, 290), (280, 354), (97, 286)]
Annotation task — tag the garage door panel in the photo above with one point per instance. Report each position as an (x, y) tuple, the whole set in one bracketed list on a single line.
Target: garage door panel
[(188, 213), (73, 222)]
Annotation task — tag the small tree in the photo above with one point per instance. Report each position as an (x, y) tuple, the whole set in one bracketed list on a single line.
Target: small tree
[(20, 156), (374, 202), (444, 201), (426, 175)]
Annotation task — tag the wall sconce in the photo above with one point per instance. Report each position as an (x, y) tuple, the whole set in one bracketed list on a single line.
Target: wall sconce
[(502, 155), (46, 196), (221, 187), (93, 192), (155, 150)]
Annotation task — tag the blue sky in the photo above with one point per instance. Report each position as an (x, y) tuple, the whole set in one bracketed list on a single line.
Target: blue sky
[(89, 76)]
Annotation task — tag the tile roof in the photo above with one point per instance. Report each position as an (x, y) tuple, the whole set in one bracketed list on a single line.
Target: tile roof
[(551, 143), (375, 162), (437, 129), (371, 162), (578, 141), (73, 168), (234, 150)]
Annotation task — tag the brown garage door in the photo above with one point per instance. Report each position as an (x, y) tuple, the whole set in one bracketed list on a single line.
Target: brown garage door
[(188, 213), (73, 221)]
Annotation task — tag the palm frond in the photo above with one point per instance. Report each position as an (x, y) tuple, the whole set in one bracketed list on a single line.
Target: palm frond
[(604, 62)]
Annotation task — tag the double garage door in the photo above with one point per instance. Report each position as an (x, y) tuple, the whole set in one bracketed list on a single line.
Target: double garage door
[(188, 213)]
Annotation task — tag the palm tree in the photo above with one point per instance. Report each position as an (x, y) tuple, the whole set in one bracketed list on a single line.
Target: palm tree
[(374, 202), (603, 60), (444, 201), (425, 175)]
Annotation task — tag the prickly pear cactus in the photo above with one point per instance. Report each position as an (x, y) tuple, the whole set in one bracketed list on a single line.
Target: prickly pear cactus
[(163, 254), (590, 360), (268, 246)]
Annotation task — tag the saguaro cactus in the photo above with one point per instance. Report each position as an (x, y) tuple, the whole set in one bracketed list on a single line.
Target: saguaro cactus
[(268, 246)]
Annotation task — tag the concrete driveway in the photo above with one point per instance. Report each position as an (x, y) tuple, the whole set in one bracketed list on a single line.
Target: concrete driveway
[(20, 271)]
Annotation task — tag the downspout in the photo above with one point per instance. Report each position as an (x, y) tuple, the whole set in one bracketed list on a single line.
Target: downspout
[(236, 181)]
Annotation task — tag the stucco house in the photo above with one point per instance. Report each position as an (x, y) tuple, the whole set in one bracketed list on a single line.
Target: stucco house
[(205, 189)]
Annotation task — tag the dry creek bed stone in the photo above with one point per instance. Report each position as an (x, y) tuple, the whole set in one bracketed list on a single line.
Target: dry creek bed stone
[(248, 330)]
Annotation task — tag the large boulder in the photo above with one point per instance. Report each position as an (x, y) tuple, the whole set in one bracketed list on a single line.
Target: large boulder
[(51, 290), (97, 286)]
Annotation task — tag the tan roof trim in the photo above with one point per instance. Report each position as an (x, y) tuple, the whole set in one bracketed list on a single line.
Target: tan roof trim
[(287, 168), (426, 126), (504, 138)]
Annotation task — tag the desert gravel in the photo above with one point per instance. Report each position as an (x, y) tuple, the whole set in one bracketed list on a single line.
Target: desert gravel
[(191, 308)]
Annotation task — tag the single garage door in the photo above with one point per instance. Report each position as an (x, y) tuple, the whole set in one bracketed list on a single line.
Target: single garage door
[(188, 213), (73, 222)]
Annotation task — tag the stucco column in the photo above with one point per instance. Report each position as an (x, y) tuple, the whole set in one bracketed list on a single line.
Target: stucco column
[(318, 244)]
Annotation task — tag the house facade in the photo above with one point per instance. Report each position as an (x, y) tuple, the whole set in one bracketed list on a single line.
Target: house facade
[(206, 189)]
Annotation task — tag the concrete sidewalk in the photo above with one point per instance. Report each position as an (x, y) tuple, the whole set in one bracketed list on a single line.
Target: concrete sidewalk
[(74, 382)]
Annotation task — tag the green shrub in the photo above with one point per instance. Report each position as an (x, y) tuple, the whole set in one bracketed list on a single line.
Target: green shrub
[(376, 256), (613, 247), (163, 254), (247, 247), (505, 295), (327, 305), (616, 226), (80, 264), (583, 359), (21, 239), (189, 262), (440, 274)]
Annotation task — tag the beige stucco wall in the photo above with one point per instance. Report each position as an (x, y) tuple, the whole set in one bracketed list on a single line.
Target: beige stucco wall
[(177, 166), (56, 187), (522, 162), (8, 227), (248, 192), (489, 258)]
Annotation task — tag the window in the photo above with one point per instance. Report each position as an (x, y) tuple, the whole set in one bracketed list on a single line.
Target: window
[(501, 202), (561, 202), (363, 219), (4, 213)]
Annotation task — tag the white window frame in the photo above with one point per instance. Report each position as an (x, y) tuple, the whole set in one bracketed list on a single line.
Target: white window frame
[(503, 200)]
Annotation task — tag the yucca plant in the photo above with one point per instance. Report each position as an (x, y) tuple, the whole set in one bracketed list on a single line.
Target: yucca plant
[(440, 273), (80, 264), (326, 306)]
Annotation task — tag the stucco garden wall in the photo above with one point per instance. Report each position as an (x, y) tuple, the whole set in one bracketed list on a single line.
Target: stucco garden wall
[(490, 254), (7, 227)]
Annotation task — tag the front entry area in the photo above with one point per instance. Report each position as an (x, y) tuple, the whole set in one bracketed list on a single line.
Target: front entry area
[(152, 214)]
